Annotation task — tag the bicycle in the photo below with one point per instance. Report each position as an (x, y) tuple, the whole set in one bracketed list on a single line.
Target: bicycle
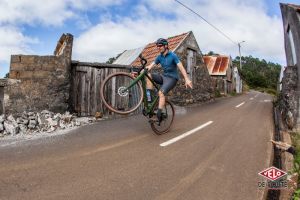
[(123, 93)]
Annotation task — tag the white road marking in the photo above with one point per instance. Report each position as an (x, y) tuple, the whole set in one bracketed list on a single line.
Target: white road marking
[(240, 104), (255, 96), (267, 100), (185, 134), (251, 98)]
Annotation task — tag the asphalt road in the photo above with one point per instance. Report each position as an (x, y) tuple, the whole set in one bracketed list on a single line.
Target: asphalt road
[(123, 159)]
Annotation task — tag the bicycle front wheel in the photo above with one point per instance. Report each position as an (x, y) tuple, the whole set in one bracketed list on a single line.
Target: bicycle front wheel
[(118, 97), (168, 114)]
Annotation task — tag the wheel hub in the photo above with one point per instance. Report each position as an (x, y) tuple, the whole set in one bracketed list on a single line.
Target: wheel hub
[(122, 91)]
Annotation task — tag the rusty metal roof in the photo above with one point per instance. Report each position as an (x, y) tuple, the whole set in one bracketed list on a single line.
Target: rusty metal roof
[(150, 52), (128, 56), (217, 65)]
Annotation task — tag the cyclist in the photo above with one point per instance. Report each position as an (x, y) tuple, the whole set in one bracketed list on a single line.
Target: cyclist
[(169, 61)]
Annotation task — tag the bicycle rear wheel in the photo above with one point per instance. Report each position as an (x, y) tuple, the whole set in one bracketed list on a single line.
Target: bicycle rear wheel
[(168, 114), (117, 97)]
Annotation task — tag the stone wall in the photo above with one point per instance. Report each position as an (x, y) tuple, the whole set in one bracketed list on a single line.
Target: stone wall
[(201, 91), (1, 100), (288, 103), (44, 80), (291, 24), (218, 84)]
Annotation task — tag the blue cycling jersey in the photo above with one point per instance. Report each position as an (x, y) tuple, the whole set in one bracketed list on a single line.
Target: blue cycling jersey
[(169, 64)]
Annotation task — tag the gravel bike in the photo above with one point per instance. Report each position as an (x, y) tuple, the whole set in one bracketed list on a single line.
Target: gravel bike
[(123, 93)]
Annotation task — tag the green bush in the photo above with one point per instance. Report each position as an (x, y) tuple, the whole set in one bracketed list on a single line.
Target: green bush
[(296, 143), (271, 91), (233, 93), (217, 93)]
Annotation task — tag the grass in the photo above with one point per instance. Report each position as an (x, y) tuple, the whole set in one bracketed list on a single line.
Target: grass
[(233, 94), (296, 143)]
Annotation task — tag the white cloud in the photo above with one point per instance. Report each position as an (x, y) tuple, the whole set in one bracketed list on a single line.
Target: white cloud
[(16, 13), (13, 42), (240, 20), (46, 12)]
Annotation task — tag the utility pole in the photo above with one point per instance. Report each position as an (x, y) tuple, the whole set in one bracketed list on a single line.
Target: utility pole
[(241, 83), (239, 44)]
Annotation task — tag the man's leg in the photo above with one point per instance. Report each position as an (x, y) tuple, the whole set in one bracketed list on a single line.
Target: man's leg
[(157, 78), (149, 84), (168, 84), (162, 100), (161, 104)]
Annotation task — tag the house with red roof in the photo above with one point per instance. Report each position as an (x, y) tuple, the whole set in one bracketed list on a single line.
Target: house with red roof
[(188, 50), (225, 78)]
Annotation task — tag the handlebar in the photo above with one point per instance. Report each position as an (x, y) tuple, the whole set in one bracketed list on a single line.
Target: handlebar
[(143, 62)]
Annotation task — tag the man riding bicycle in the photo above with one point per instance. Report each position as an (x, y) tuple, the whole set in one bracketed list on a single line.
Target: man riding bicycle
[(169, 61)]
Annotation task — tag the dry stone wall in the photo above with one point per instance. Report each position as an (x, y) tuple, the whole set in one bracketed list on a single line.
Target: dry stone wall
[(44, 81), (288, 97)]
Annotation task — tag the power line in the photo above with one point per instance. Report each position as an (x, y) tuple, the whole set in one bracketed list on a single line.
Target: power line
[(207, 22)]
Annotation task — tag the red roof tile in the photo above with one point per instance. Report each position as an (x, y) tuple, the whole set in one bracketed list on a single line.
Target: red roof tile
[(217, 65), (150, 52)]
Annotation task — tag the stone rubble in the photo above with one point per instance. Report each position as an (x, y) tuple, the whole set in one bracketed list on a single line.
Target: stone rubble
[(42, 122)]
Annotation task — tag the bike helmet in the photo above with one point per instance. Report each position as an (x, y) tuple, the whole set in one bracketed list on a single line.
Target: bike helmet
[(161, 41)]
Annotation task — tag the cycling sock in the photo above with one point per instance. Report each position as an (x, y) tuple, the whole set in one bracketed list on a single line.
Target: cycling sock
[(158, 114)]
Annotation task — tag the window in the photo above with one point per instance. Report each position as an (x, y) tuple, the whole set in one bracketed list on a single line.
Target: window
[(292, 45), (190, 62)]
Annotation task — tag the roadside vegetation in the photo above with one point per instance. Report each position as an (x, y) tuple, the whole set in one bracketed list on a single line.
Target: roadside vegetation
[(259, 74), (296, 143)]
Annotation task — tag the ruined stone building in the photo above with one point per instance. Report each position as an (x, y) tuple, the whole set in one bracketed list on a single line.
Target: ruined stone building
[(44, 80), (2, 85), (290, 81)]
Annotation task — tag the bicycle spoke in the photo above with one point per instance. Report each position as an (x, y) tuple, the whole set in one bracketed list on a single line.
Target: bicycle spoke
[(165, 124), (117, 97)]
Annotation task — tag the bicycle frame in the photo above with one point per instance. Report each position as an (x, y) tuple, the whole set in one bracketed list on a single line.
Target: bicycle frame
[(131, 99), (149, 107)]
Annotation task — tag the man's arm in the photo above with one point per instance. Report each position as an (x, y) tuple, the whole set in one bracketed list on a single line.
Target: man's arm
[(149, 67), (188, 82)]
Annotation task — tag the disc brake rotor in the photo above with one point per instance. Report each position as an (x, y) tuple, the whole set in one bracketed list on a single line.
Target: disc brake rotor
[(122, 91)]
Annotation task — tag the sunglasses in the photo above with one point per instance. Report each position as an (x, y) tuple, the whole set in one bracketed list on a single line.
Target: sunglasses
[(159, 45)]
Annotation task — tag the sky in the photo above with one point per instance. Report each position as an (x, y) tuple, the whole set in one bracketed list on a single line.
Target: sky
[(105, 28)]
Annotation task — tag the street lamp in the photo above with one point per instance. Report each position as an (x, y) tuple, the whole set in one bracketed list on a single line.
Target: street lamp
[(239, 44)]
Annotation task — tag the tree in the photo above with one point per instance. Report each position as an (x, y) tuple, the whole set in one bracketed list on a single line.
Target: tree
[(6, 75), (211, 53), (112, 59), (258, 73)]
